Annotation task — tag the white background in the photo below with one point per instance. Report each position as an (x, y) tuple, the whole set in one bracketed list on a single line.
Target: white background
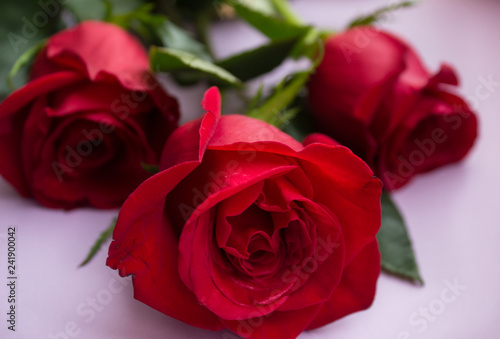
[(453, 213)]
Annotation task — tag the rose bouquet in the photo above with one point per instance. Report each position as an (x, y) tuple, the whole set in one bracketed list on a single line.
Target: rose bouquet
[(267, 221)]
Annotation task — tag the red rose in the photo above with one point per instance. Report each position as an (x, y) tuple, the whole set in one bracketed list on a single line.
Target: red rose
[(372, 94), (77, 133), (246, 229)]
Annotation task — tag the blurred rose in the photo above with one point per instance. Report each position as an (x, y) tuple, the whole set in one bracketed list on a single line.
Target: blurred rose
[(77, 133), (372, 94)]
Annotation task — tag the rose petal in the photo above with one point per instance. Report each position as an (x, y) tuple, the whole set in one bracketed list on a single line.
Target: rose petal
[(195, 135), (445, 75), (98, 96), (163, 120), (343, 182), (229, 239), (365, 57), (145, 246), (218, 172), (96, 49), (283, 325), (346, 186), (319, 138), (441, 130), (238, 131), (356, 289), (13, 112), (34, 132), (194, 265), (320, 272), (145, 243)]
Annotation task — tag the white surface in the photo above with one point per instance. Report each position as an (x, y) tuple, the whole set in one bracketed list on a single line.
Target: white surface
[(453, 214)]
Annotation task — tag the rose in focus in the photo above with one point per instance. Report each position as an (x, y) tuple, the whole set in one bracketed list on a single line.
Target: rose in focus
[(245, 228), (91, 113), (372, 94)]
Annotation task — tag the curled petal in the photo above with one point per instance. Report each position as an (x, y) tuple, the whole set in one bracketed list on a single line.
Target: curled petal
[(96, 50)]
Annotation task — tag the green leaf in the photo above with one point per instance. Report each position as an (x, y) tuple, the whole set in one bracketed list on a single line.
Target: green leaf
[(256, 100), (284, 117), (253, 63), (263, 6), (168, 59), (105, 235), (378, 14), (24, 60), (273, 27), (395, 244), (19, 32), (108, 10), (173, 36), (153, 169), (141, 15), (309, 45), (285, 10), (274, 109), (203, 20), (100, 9), (161, 31)]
